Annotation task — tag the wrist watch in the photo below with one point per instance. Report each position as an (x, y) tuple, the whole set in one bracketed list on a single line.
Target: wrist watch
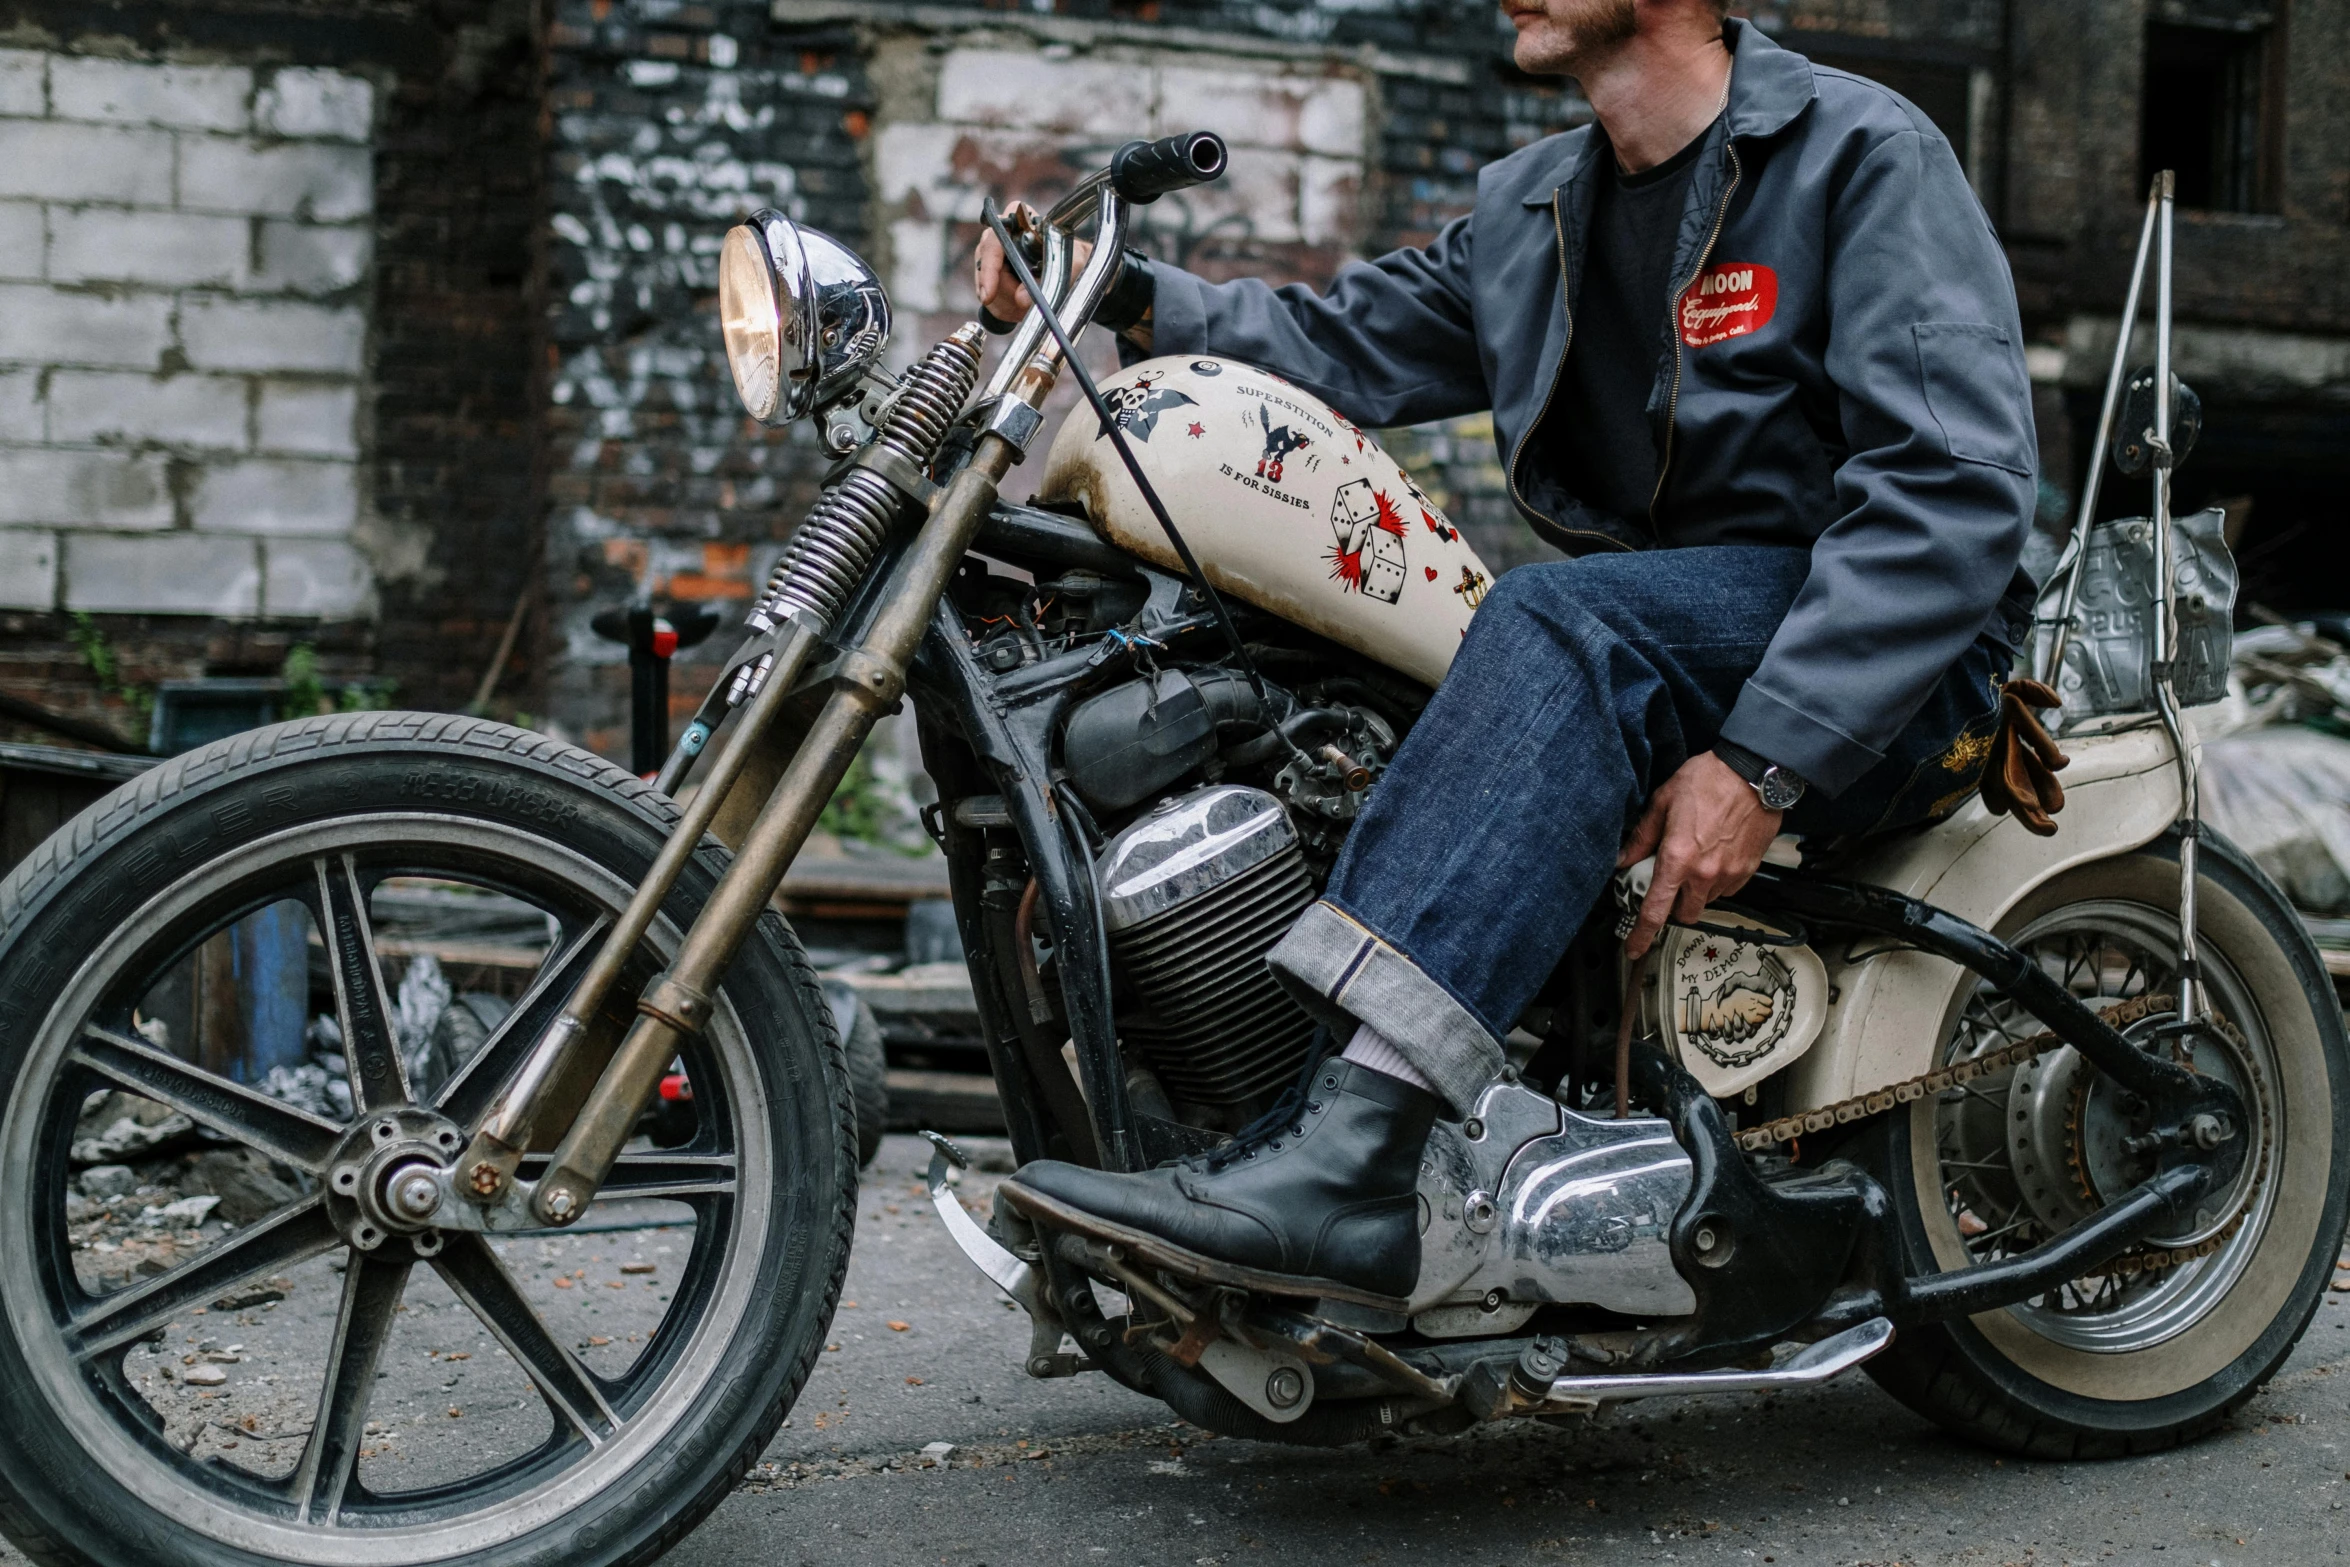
[(1778, 787)]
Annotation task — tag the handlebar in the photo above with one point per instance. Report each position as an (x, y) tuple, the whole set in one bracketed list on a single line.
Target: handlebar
[(1140, 172), (1143, 171)]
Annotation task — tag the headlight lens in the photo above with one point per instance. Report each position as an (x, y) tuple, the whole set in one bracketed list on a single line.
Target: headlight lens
[(753, 323)]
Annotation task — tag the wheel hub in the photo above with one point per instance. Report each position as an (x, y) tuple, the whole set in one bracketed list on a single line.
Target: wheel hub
[(2070, 1131), (384, 1183)]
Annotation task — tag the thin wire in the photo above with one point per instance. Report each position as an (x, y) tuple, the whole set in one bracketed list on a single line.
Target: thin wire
[(1101, 410)]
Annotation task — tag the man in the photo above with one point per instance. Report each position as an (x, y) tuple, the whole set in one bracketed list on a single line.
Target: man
[(1754, 358)]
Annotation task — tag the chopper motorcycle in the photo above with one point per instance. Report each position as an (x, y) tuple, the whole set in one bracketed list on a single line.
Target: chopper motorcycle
[(2048, 1134)]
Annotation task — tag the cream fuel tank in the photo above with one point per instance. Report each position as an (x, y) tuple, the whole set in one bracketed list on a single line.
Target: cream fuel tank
[(1285, 503)]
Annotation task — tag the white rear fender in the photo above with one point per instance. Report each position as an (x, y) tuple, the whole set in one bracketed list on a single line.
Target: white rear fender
[(1887, 1015)]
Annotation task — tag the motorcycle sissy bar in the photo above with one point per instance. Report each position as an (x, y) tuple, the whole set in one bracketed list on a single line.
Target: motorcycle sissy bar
[(484, 1189), (2155, 242)]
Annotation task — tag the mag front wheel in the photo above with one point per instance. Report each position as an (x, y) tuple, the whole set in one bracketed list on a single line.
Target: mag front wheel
[(237, 999)]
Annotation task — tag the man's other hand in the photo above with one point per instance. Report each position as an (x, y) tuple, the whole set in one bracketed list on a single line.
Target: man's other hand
[(999, 287), (1708, 830)]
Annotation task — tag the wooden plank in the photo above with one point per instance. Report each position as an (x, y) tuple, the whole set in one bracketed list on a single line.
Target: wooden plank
[(943, 1102)]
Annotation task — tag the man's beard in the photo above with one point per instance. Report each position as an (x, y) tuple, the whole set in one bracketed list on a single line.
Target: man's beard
[(1587, 26)]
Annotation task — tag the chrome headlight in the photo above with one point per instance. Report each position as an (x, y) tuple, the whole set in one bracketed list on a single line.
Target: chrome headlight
[(803, 316)]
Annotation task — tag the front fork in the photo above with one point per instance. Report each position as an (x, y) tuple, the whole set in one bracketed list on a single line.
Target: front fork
[(677, 1004)]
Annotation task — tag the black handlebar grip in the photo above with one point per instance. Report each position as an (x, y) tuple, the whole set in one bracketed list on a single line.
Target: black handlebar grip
[(1143, 171)]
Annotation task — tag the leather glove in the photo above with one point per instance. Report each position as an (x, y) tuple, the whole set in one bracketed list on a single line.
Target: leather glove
[(2021, 777)]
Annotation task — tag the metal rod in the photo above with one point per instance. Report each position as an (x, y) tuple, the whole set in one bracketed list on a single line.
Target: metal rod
[(678, 1005), (496, 1151), (2165, 640), (2092, 487)]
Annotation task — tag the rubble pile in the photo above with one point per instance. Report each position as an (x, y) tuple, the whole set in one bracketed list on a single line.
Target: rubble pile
[(2276, 767)]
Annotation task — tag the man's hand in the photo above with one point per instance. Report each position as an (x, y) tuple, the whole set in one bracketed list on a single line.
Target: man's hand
[(1708, 829), (998, 285), (1003, 298)]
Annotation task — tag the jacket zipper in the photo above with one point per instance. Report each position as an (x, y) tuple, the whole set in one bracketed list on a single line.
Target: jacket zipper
[(1664, 463), (1558, 225)]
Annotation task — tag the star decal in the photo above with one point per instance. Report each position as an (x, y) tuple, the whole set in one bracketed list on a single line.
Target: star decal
[(1197, 430)]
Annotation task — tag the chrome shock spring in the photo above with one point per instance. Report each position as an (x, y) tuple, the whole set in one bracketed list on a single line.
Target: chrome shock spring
[(830, 553)]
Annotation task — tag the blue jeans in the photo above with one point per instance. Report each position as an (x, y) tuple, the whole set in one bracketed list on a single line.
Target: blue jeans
[(1581, 687)]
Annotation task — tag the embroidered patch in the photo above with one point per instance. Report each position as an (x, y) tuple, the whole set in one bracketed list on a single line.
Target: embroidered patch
[(1728, 300)]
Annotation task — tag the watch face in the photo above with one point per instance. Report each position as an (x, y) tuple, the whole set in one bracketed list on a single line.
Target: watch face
[(1779, 789)]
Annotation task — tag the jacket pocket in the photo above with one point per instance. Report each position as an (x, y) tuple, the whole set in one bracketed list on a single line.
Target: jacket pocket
[(1975, 388)]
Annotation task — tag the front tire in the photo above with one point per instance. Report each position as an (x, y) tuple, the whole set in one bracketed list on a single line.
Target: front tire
[(110, 1457), (2127, 1362)]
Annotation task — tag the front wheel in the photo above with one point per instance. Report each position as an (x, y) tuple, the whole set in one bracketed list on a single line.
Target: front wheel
[(2159, 1346), (234, 997)]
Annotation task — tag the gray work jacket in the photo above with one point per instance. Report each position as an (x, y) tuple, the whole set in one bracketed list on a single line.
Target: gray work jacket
[(1843, 368)]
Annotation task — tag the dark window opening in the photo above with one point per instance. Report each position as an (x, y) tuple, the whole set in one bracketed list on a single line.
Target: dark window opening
[(2209, 115)]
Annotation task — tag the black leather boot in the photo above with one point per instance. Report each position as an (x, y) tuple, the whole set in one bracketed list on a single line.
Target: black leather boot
[(1322, 1201)]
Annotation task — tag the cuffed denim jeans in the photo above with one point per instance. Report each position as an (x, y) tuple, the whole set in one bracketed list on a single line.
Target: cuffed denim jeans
[(1580, 689)]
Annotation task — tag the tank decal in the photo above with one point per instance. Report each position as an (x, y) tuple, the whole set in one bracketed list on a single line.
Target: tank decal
[(1285, 501)]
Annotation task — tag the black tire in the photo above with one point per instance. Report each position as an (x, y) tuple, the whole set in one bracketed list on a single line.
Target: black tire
[(2149, 1371), (868, 1082), (82, 1482)]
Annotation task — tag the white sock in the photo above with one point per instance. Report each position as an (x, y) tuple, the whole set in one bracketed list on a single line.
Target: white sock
[(1371, 1048)]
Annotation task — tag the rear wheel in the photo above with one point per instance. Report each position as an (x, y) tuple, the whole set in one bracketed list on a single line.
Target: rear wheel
[(2157, 1348), (233, 998)]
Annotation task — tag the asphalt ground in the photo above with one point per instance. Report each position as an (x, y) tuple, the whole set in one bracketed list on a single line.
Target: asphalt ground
[(1081, 1471)]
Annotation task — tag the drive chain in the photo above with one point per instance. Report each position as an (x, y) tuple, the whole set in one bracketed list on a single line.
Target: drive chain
[(1786, 1129)]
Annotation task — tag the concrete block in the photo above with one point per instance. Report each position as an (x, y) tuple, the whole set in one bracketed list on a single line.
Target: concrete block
[(125, 92), (60, 161), (22, 74), (101, 244), (83, 489), (307, 418), (202, 411), (28, 570), (276, 495), (42, 325), (162, 574), (1329, 200), (1258, 109), (1013, 88), (20, 239), (22, 417), (322, 577), (300, 101), (308, 258), (271, 334), (325, 183)]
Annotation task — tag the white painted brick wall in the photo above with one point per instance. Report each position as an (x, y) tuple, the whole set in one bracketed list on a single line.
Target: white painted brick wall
[(1299, 138), (161, 574), (21, 239), (28, 569), (184, 263), (276, 495)]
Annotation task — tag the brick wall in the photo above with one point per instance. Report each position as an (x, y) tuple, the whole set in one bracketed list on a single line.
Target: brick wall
[(266, 353), (182, 330), (670, 121)]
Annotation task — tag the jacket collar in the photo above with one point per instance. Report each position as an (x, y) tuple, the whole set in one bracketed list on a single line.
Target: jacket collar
[(1769, 88)]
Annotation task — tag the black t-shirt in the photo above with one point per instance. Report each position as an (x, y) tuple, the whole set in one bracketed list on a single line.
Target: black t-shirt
[(1606, 449)]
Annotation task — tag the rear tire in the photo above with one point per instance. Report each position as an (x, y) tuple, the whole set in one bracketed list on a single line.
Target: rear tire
[(2117, 1365), (93, 1470)]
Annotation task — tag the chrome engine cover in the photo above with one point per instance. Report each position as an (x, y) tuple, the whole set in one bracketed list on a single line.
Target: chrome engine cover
[(1526, 1203)]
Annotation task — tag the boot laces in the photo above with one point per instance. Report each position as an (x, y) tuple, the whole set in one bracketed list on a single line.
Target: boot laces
[(1286, 1117)]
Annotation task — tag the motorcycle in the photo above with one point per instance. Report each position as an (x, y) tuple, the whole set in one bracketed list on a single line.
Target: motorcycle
[(2048, 1135)]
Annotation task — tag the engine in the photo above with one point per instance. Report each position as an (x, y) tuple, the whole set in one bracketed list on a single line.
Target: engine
[(1193, 897)]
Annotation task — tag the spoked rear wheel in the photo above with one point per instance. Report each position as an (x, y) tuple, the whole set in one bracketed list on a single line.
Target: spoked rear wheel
[(2157, 1347), (238, 1002)]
